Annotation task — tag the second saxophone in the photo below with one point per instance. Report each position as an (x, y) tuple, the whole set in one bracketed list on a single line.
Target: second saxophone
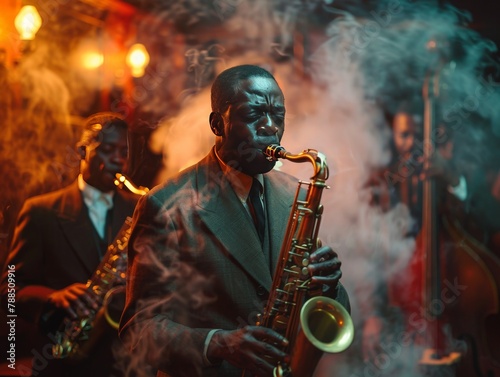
[(77, 336)]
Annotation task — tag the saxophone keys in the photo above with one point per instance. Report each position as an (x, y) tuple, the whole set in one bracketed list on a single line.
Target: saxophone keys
[(280, 322)]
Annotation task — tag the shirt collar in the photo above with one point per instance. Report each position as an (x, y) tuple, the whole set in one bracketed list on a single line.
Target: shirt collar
[(240, 182), (92, 195)]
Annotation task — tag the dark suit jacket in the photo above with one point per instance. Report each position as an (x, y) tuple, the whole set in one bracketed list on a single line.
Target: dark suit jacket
[(196, 263), (54, 245)]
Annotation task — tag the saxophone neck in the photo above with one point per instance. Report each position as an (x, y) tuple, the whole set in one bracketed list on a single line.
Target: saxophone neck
[(122, 181), (321, 172)]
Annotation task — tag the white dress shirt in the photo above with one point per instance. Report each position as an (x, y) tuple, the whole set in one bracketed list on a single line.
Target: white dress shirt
[(98, 203)]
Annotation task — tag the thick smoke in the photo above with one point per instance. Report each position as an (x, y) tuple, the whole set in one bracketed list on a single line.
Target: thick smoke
[(36, 144)]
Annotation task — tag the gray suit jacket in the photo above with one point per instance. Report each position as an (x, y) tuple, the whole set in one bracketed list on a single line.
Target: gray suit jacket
[(196, 263)]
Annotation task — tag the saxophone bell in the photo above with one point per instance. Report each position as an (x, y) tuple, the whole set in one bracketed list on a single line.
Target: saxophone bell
[(325, 327), (113, 304)]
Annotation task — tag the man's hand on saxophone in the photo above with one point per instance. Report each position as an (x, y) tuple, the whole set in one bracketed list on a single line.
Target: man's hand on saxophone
[(73, 299), (325, 267), (253, 348)]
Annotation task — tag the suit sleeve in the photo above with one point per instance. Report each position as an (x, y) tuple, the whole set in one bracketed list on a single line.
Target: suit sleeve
[(156, 322), (26, 254)]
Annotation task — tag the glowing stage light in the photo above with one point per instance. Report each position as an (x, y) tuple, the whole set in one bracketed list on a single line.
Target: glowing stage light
[(28, 22), (92, 60), (137, 59)]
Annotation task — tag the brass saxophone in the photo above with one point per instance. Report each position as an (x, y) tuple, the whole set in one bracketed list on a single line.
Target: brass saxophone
[(76, 337), (319, 324)]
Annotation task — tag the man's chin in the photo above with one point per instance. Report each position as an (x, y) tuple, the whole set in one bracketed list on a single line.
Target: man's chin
[(262, 168), (269, 167)]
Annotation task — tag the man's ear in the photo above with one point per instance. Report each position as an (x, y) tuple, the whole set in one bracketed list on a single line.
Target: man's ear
[(216, 124)]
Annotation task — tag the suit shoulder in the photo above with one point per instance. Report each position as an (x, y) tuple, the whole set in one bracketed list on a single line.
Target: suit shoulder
[(185, 179), (48, 200)]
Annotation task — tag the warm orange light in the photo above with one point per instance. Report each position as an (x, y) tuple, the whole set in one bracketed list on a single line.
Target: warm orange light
[(137, 59), (92, 59), (27, 22)]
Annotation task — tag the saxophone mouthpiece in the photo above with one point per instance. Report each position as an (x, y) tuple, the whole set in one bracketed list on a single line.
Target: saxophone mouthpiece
[(274, 151)]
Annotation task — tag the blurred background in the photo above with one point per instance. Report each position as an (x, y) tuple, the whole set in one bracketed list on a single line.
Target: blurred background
[(346, 68)]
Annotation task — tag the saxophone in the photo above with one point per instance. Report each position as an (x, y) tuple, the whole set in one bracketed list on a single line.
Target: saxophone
[(311, 325), (76, 337)]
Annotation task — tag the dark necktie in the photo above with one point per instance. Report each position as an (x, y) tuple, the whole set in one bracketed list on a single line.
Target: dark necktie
[(107, 229), (257, 209)]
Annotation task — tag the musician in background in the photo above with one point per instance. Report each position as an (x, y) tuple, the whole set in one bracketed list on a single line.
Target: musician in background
[(401, 182), (59, 240), (205, 244)]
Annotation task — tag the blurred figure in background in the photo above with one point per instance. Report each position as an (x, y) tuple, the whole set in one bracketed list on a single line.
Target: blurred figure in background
[(59, 240), (401, 182)]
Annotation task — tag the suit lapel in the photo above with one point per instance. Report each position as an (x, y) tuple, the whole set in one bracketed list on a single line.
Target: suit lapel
[(222, 212), (77, 228)]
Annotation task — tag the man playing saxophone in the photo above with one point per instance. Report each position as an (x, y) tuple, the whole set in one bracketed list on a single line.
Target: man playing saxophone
[(59, 240), (205, 245)]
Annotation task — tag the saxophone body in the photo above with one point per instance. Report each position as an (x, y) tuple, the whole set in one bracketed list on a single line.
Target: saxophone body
[(313, 324), (76, 337)]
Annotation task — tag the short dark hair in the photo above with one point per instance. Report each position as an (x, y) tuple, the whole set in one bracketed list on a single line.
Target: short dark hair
[(225, 85), (95, 123)]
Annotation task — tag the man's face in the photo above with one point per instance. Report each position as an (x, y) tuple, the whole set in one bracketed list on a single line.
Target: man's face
[(106, 158), (404, 134), (254, 119)]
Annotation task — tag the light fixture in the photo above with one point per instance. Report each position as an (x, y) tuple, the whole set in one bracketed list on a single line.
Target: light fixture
[(137, 59), (88, 55), (27, 22), (92, 60)]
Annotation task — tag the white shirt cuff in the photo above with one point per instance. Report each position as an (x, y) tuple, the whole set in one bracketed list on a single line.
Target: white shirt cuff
[(210, 334)]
